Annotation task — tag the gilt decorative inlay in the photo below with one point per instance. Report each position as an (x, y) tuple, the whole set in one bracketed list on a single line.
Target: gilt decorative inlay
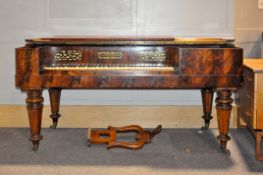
[(68, 55), (110, 55), (153, 56)]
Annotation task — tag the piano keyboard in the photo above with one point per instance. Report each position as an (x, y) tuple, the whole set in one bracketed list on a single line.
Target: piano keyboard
[(110, 67)]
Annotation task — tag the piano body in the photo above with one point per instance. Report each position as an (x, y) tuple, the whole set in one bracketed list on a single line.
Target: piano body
[(209, 64)]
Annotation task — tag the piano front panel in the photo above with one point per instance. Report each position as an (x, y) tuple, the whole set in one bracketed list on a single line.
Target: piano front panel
[(126, 58), (128, 67)]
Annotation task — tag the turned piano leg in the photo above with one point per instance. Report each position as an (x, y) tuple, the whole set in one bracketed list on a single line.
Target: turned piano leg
[(223, 107), (207, 100), (54, 96), (34, 102)]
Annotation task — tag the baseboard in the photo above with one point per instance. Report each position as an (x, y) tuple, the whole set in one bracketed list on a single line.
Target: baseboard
[(102, 116)]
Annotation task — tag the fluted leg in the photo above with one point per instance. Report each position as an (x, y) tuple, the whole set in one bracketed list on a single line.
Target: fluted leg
[(54, 96), (207, 100), (224, 107), (34, 108)]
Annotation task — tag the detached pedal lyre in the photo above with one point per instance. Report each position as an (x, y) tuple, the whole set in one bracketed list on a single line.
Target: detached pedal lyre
[(110, 136)]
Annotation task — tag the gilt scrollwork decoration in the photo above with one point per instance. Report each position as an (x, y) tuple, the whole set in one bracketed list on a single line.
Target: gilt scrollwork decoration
[(156, 56), (68, 55)]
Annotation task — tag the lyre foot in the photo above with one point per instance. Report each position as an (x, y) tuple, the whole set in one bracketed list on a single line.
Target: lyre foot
[(154, 132), (110, 136)]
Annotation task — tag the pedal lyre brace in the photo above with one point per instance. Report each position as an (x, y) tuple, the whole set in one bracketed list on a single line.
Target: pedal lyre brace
[(110, 136)]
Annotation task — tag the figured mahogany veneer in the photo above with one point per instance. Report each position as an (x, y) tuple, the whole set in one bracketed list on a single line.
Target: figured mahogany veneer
[(129, 63)]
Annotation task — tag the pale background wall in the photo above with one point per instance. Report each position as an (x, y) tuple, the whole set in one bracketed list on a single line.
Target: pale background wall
[(38, 18), (248, 22)]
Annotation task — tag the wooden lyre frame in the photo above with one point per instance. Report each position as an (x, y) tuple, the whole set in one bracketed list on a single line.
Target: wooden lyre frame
[(110, 137)]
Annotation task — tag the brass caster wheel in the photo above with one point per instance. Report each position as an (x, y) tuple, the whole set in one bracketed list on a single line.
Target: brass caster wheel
[(226, 151), (89, 144), (35, 147), (54, 126), (206, 127)]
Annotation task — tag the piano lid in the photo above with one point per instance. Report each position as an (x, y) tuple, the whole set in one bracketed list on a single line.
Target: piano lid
[(113, 40)]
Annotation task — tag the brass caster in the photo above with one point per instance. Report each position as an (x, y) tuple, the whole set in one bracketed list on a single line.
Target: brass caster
[(54, 126), (226, 151), (35, 147), (206, 127)]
